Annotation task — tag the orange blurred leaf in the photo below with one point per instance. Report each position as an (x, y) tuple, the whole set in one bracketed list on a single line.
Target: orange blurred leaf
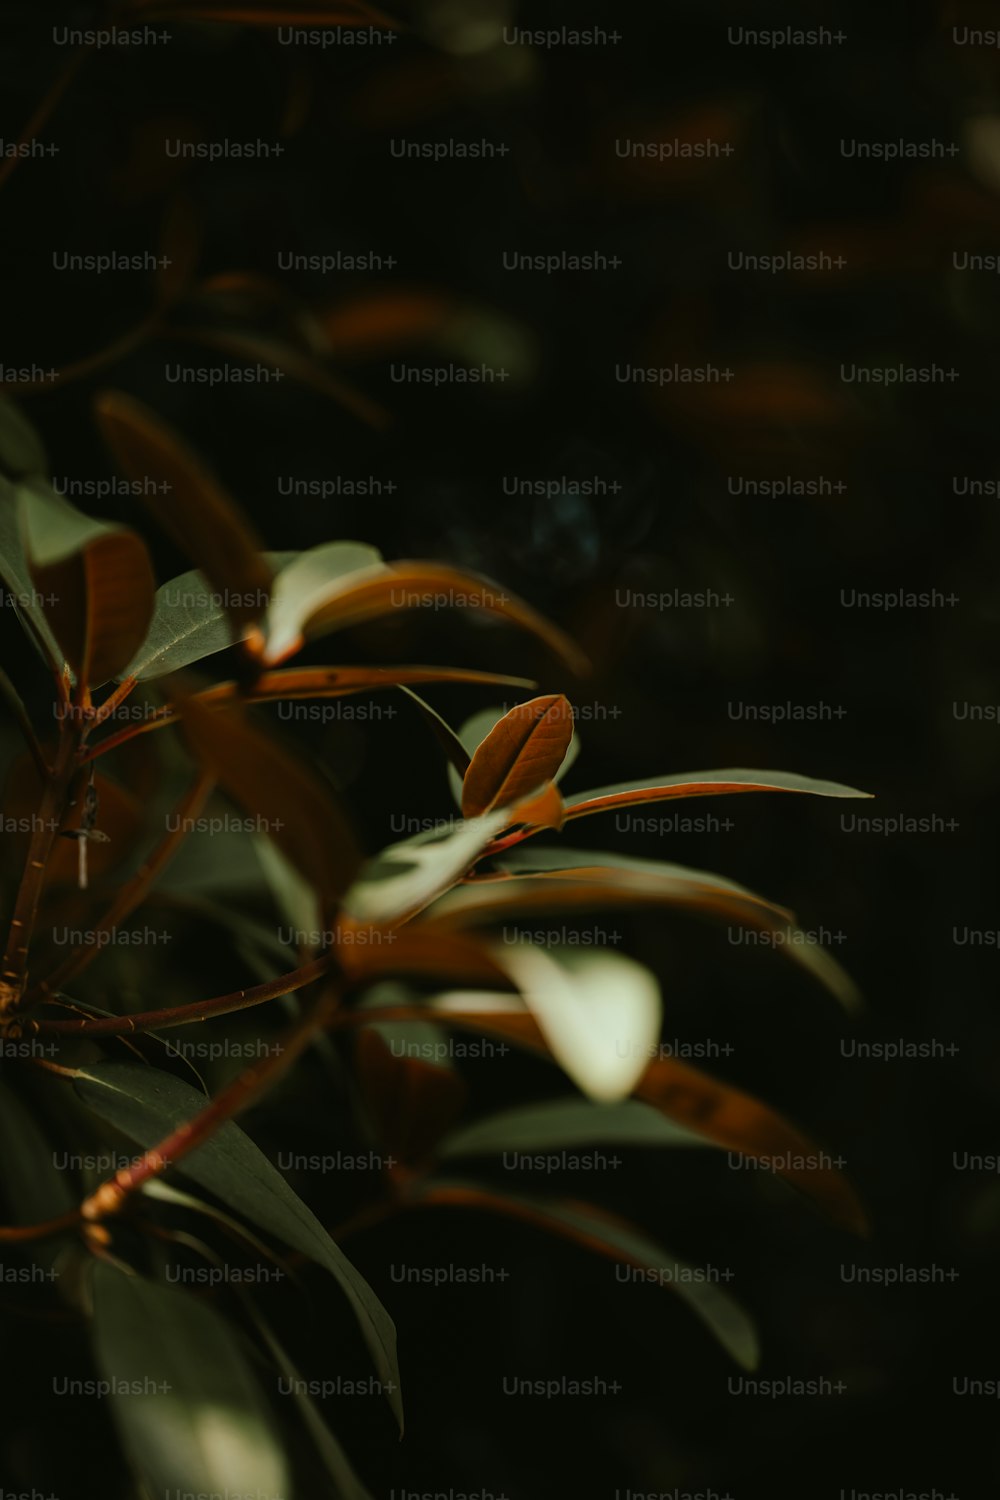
[(189, 503)]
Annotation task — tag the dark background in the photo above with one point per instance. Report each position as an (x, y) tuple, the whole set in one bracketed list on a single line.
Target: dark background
[(669, 681)]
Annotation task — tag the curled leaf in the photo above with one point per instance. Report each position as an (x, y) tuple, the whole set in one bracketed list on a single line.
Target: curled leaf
[(377, 591)]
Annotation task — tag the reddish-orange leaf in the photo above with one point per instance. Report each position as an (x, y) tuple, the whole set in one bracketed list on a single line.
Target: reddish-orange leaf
[(546, 810), (520, 753), (741, 1123), (722, 1114)]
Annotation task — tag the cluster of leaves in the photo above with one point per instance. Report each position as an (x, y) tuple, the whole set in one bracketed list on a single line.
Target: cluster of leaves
[(400, 944)]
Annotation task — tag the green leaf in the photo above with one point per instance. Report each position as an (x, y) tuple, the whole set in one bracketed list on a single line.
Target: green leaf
[(562, 1123), (16, 575), (335, 1460), (191, 1415), (307, 583), (53, 528), (21, 451), (420, 1038), (148, 1105), (188, 624), (165, 1192), (701, 784), (295, 898), (98, 578), (33, 1186), (546, 881), (222, 862), (456, 753), (406, 876), (619, 1240), (599, 1012)]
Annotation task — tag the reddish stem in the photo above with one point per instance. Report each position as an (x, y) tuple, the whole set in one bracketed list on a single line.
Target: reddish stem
[(181, 1015), (111, 1195), (14, 972)]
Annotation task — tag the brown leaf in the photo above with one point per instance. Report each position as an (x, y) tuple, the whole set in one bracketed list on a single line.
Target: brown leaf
[(414, 951), (194, 510), (294, 807), (522, 752), (99, 602), (414, 1102), (741, 1123)]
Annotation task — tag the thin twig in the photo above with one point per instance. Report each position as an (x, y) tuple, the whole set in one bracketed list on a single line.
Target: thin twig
[(44, 111), (14, 700), (111, 1195), (107, 355), (115, 699), (41, 1231), (287, 682), (180, 1015)]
